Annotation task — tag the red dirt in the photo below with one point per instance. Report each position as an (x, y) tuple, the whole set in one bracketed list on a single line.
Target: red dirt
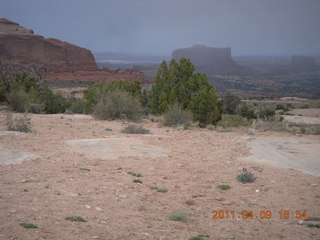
[(198, 161)]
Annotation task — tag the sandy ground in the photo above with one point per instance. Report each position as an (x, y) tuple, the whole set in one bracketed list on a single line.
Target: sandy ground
[(192, 163), (307, 112)]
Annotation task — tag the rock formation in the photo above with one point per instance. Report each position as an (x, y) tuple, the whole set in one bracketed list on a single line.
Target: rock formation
[(207, 58), (7, 26), (63, 60)]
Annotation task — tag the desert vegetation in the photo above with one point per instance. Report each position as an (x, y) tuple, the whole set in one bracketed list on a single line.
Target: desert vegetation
[(178, 98)]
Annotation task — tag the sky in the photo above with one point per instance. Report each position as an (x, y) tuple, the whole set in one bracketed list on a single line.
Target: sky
[(249, 27)]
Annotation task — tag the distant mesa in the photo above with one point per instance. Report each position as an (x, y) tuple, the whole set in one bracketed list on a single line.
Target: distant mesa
[(208, 58), (303, 63), (64, 61)]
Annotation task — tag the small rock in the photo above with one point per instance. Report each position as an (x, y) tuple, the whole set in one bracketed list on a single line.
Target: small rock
[(300, 222), (108, 129), (87, 206), (12, 211), (95, 237), (190, 202), (228, 203), (147, 235), (314, 185), (98, 209)]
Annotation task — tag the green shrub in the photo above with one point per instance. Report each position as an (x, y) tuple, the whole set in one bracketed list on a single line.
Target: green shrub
[(273, 124), (246, 177), (196, 238), (233, 121), (163, 190), (19, 123), (246, 111), (98, 91), (266, 113), (137, 180), (223, 187), (176, 116), (19, 101), (313, 225), (35, 108), (77, 106), (28, 225), (180, 216), (231, 103), (118, 105), (75, 219), (53, 102), (135, 129)]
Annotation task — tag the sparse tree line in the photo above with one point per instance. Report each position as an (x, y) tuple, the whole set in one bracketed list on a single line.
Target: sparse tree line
[(180, 94)]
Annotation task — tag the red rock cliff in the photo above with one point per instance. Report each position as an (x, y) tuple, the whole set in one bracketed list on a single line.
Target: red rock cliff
[(64, 61)]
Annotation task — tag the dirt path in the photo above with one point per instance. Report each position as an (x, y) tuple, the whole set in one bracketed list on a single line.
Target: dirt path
[(46, 190)]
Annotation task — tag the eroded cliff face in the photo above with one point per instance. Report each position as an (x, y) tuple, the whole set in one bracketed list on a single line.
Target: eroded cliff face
[(63, 60), (207, 58), (7, 27), (56, 55)]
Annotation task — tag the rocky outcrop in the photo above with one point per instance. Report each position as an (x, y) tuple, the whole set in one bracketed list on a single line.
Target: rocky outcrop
[(56, 55), (207, 58), (7, 26), (63, 60)]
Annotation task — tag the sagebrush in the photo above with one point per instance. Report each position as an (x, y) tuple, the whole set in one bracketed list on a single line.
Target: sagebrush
[(176, 116), (20, 123), (118, 105)]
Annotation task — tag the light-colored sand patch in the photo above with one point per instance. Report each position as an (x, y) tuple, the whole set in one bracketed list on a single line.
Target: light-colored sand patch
[(114, 147), (298, 153), (13, 156), (301, 119), (10, 132), (307, 112)]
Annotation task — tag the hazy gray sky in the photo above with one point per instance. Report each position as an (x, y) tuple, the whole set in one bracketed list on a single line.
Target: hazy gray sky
[(249, 27)]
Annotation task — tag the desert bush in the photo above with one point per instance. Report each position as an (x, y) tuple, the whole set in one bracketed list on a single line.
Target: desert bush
[(224, 187), (28, 225), (266, 113), (118, 105), (176, 116), (53, 102), (35, 108), (77, 106), (233, 121), (231, 104), (135, 129), (246, 111), (180, 216), (20, 123), (98, 91), (303, 129), (196, 238), (19, 101), (75, 219), (246, 177), (273, 124)]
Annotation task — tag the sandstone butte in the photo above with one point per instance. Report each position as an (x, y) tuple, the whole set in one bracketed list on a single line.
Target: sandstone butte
[(209, 59), (64, 61)]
